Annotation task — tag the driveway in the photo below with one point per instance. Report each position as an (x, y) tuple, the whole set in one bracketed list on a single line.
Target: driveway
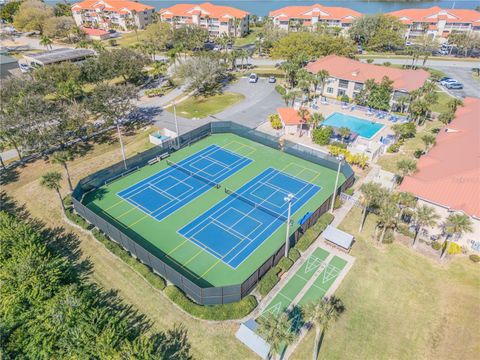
[(261, 100), (471, 87)]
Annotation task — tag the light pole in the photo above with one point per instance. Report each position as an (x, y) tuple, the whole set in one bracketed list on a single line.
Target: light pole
[(340, 160), (176, 124), (121, 144), (288, 199)]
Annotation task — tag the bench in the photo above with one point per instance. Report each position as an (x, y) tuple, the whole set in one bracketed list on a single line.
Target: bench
[(158, 158)]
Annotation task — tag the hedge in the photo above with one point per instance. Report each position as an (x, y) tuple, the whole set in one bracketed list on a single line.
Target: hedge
[(312, 233), (236, 310), (294, 254), (268, 281), (284, 264)]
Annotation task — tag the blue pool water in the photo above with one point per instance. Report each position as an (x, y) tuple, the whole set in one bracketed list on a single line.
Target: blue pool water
[(363, 128)]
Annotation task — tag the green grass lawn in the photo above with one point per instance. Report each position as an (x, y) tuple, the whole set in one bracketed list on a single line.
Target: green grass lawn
[(130, 39), (401, 305), (200, 106), (441, 105), (249, 39), (389, 161)]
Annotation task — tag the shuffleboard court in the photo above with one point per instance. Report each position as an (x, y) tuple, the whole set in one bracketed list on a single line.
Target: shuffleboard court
[(293, 287), (324, 281), (168, 190), (235, 227)]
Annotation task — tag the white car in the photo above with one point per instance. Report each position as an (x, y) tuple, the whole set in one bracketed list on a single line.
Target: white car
[(253, 78), (448, 81)]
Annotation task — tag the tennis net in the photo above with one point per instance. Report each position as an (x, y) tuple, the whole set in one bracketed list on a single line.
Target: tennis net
[(255, 205), (194, 174)]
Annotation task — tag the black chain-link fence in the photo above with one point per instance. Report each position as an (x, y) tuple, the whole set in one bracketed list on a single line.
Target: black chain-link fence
[(161, 263)]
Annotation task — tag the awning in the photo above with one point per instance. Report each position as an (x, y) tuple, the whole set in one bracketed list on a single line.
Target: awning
[(246, 334), (338, 237)]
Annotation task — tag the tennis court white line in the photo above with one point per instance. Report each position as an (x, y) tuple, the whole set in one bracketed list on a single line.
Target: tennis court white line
[(243, 217), (161, 192), (167, 170)]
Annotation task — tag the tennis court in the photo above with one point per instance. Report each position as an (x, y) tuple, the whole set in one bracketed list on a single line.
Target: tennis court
[(235, 227), (213, 236), (168, 190)]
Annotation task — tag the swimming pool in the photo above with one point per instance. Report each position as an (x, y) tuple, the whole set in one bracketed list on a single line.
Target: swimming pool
[(363, 128)]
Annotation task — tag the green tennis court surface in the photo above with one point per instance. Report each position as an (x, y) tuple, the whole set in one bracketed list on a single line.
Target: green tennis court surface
[(157, 230)]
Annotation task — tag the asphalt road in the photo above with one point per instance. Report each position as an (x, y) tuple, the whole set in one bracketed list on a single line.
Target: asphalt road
[(261, 100), (471, 87)]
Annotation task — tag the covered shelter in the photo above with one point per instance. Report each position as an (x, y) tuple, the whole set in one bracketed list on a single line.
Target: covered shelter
[(338, 238), (247, 335), (58, 56), (291, 121)]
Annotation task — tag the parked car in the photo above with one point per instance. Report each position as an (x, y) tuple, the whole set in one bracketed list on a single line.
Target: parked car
[(447, 80), (253, 78), (454, 85), (217, 48), (272, 79)]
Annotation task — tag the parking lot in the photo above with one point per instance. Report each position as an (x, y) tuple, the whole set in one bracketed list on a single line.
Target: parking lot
[(471, 87)]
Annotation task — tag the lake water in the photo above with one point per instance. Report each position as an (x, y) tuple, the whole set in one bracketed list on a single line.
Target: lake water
[(263, 7)]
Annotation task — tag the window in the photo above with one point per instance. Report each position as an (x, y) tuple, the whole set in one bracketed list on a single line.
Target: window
[(340, 92), (330, 90), (358, 86), (343, 84)]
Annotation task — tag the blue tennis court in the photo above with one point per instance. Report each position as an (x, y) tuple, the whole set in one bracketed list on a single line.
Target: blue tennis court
[(239, 224), (168, 190)]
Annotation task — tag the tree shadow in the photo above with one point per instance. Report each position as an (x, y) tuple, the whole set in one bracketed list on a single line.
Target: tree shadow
[(81, 149), (8, 176), (296, 317)]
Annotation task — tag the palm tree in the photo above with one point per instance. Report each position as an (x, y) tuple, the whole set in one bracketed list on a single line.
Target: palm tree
[(387, 215), (371, 193), (277, 331), (344, 132), (456, 224), (322, 313), (304, 114), (51, 180), (320, 79), (315, 119), (158, 68), (62, 158), (406, 167), (425, 216), (46, 41), (69, 90), (428, 140), (404, 201)]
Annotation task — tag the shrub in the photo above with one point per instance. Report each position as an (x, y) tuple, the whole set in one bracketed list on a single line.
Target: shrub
[(275, 121), (338, 144), (236, 310), (77, 219), (361, 160), (393, 148), (387, 63), (475, 258), (67, 201), (344, 98), (338, 203), (349, 191), (284, 264), (403, 229), (369, 61), (454, 249), (436, 245), (294, 254), (268, 281), (389, 237), (313, 232), (154, 92), (280, 89), (321, 136), (418, 153)]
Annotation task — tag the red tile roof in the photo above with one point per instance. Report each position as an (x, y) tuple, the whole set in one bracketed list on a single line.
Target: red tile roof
[(449, 175), (94, 32), (205, 9), (289, 116), (353, 70), (323, 12), (434, 14), (111, 5)]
